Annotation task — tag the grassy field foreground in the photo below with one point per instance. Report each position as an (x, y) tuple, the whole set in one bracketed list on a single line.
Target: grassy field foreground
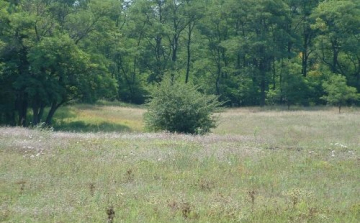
[(257, 166)]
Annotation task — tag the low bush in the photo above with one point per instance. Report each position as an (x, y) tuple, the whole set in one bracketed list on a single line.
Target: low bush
[(179, 107)]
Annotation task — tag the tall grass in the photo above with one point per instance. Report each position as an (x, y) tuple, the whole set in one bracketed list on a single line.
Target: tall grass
[(258, 166)]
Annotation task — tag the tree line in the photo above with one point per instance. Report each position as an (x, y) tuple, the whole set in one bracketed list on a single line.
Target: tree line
[(248, 52)]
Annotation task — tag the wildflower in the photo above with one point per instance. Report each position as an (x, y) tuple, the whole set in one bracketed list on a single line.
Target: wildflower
[(340, 145)]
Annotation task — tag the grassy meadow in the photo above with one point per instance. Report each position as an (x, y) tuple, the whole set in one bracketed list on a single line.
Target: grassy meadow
[(258, 165)]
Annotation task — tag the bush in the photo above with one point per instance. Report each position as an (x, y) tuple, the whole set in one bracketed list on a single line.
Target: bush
[(179, 107), (338, 92)]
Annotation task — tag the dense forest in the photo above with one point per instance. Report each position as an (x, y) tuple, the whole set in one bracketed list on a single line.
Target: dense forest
[(248, 52)]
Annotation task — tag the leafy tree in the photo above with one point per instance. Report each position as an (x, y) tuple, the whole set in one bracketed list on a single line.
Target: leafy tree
[(337, 44), (63, 72), (301, 11), (126, 49), (244, 51), (215, 28), (192, 13), (43, 62), (18, 33), (268, 45), (178, 107), (292, 87), (338, 92), (245, 39)]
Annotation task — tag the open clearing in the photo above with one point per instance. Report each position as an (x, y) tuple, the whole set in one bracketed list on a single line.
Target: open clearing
[(258, 165)]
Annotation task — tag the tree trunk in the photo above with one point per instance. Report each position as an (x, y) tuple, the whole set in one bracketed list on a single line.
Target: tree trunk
[(35, 119), (41, 112), (38, 111), (304, 52), (51, 114), (191, 26), (262, 71), (175, 43), (53, 108), (22, 107), (335, 56)]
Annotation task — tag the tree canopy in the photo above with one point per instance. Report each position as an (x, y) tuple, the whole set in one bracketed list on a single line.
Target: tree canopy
[(247, 52)]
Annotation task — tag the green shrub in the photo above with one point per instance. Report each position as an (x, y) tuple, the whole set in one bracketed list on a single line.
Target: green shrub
[(338, 92), (179, 107)]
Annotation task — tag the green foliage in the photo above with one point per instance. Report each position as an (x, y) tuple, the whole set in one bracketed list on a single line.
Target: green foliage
[(338, 92), (247, 52), (179, 107), (337, 40), (292, 88), (7, 97), (238, 91), (45, 62)]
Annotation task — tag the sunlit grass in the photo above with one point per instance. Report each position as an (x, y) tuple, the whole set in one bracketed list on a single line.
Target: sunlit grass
[(87, 118), (304, 128), (258, 166)]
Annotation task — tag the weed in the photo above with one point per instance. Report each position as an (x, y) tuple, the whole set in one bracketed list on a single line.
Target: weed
[(252, 194), (355, 210), (110, 214), (294, 197), (22, 185), (4, 213), (173, 205), (92, 189), (205, 185), (129, 175), (185, 209)]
